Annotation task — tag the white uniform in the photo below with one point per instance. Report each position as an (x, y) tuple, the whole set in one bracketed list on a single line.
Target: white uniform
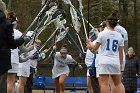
[(122, 31), (89, 59), (109, 62), (33, 63), (97, 62), (14, 54), (61, 65), (24, 68), (124, 34)]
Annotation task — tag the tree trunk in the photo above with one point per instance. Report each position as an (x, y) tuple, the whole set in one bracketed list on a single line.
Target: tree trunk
[(125, 13), (9, 5), (60, 4)]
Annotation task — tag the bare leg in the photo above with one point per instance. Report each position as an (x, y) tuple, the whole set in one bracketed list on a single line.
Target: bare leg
[(104, 84), (56, 84), (21, 84), (118, 84), (61, 82), (112, 86), (11, 82), (90, 90)]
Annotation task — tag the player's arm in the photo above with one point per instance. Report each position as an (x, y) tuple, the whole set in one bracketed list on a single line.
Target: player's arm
[(121, 55), (91, 45), (75, 63), (95, 46)]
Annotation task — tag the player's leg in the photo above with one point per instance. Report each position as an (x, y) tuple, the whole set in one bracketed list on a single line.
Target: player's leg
[(118, 84), (56, 84), (104, 83), (61, 82)]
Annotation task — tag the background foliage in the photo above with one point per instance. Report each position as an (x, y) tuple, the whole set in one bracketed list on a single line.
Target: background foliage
[(26, 10)]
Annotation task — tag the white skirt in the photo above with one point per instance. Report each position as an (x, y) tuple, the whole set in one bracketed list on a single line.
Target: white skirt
[(111, 69), (23, 72), (14, 68), (97, 72), (57, 71)]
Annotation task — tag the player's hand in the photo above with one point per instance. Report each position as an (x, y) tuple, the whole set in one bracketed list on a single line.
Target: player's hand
[(31, 56), (27, 39), (54, 47), (45, 51), (80, 66), (88, 42), (31, 47), (121, 68)]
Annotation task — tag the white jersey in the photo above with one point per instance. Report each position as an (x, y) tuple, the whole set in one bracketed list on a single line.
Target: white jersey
[(61, 65), (124, 34), (24, 65), (89, 57), (29, 63), (14, 52), (122, 31), (110, 42), (33, 62)]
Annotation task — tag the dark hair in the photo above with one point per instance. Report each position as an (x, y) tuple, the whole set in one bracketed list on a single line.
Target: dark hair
[(10, 14), (112, 19), (63, 48), (131, 48), (11, 17), (64, 45), (116, 14)]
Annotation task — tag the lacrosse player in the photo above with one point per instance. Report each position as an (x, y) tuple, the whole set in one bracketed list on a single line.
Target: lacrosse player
[(29, 60), (111, 56), (60, 69)]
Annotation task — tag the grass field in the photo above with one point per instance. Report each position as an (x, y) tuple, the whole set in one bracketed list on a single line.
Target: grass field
[(49, 91)]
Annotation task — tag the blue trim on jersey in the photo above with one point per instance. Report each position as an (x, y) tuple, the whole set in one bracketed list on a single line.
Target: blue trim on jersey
[(93, 63)]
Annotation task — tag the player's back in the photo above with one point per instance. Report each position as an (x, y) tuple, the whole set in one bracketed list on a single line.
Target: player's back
[(122, 31), (110, 42)]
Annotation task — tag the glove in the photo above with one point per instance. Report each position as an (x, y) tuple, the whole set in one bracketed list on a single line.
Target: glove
[(39, 56), (42, 55), (35, 56), (27, 39), (91, 71)]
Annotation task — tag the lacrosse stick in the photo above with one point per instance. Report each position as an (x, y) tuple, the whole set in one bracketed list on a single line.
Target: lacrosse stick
[(49, 20), (59, 37), (73, 45), (46, 23), (74, 42), (36, 18), (38, 51), (58, 27), (69, 2), (51, 8), (76, 25), (81, 8)]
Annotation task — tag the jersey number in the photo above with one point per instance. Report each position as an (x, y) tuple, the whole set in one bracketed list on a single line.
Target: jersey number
[(114, 45)]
